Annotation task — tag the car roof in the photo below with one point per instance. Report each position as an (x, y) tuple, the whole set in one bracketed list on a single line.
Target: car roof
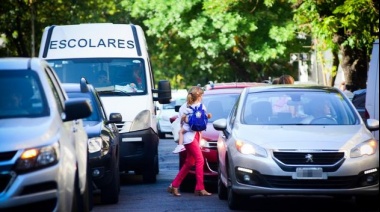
[(19, 63), (76, 87), (224, 85), (223, 91), (292, 87)]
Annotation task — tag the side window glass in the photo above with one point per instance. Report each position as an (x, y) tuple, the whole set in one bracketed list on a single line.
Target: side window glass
[(53, 86)]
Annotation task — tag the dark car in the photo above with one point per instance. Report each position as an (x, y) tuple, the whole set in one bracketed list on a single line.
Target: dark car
[(103, 142), (218, 98), (359, 102)]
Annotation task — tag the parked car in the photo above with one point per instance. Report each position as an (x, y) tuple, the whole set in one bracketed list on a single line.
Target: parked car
[(43, 153), (165, 111), (218, 99), (103, 142), (359, 102), (317, 144)]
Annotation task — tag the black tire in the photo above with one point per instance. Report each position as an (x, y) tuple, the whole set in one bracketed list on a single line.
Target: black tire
[(84, 200), (157, 165), (150, 171), (161, 135), (110, 194), (76, 193), (222, 189), (234, 200), (188, 184), (368, 203), (149, 177)]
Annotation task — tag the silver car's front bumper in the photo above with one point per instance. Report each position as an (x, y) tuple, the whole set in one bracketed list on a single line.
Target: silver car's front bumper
[(251, 175)]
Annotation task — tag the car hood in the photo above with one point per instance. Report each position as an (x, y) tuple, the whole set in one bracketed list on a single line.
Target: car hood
[(210, 134), (303, 137), (21, 133), (93, 128)]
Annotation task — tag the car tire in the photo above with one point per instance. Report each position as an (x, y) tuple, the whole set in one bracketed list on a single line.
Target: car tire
[(110, 193), (76, 193), (367, 202), (85, 198), (161, 135), (188, 184), (222, 190)]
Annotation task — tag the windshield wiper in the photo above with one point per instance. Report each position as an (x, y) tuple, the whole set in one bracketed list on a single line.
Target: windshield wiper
[(114, 92)]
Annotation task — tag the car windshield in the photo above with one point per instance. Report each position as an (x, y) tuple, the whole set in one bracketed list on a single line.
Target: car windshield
[(21, 95), (173, 103), (298, 108), (109, 76), (219, 105)]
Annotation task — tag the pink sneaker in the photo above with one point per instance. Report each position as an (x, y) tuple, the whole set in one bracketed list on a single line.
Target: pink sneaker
[(179, 148)]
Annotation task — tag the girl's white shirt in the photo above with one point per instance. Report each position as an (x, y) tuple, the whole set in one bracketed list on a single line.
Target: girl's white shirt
[(189, 135)]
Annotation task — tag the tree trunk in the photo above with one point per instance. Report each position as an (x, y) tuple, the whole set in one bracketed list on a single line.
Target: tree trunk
[(355, 66)]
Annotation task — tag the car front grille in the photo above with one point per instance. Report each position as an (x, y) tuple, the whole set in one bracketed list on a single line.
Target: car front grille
[(5, 156), (120, 126), (4, 181), (309, 158)]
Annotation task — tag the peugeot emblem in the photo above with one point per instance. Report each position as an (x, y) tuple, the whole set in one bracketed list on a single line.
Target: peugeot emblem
[(309, 158)]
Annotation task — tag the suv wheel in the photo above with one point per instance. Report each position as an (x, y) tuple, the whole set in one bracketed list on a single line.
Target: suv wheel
[(110, 193)]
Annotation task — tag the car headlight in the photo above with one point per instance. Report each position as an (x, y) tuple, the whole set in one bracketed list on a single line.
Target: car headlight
[(142, 121), (39, 157), (94, 144), (250, 149), (366, 148)]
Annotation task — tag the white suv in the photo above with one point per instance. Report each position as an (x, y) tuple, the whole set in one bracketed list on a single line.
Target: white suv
[(43, 148)]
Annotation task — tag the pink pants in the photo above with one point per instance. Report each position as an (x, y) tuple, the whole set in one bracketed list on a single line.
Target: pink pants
[(193, 154)]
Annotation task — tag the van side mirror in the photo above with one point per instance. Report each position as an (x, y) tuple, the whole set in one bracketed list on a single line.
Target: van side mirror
[(164, 92)]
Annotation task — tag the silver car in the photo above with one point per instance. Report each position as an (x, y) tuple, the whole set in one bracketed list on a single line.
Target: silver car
[(43, 145), (294, 139)]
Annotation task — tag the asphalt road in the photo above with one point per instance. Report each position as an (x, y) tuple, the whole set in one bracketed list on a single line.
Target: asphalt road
[(136, 196)]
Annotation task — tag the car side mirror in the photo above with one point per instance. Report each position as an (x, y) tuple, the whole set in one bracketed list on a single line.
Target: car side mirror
[(176, 108)]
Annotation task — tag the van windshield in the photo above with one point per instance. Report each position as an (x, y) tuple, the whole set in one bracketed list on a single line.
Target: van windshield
[(110, 76)]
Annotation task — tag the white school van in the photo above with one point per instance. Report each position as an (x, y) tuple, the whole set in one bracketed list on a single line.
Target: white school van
[(109, 56)]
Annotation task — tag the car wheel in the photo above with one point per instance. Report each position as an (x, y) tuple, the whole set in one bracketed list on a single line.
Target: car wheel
[(222, 190), (76, 193), (188, 184), (367, 202), (157, 165), (85, 198), (150, 172), (110, 193), (161, 135)]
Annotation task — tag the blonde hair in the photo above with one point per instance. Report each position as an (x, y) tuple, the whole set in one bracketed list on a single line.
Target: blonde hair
[(194, 94)]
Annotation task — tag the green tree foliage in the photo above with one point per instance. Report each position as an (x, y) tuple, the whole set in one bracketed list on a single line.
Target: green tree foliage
[(227, 40), (347, 27), (23, 21)]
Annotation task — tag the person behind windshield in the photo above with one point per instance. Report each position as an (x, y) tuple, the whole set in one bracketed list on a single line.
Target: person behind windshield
[(14, 102), (103, 79), (138, 79)]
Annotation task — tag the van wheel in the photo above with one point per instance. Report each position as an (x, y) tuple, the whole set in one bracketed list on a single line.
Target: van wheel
[(110, 193), (161, 135), (149, 177)]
